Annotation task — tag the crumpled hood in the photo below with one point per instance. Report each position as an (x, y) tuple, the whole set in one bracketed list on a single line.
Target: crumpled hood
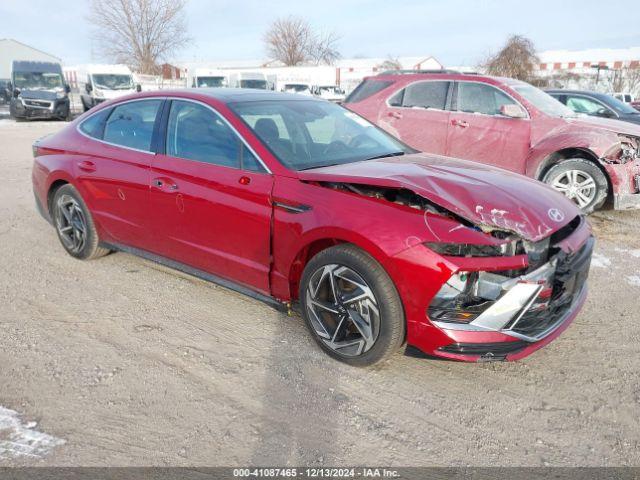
[(489, 197), (38, 94), (612, 125)]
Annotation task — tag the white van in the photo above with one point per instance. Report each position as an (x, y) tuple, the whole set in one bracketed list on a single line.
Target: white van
[(98, 83), (204, 77), (248, 80), (333, 93)]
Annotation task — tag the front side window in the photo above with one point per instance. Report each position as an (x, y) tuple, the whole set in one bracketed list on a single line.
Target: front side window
[(308, 134), (541, 100), (94, 125), (195, 132), (131, 124), (585, 105), (481, 98), (423, 95)]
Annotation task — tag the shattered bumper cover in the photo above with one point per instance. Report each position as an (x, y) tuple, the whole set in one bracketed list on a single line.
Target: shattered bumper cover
[(625, 184)]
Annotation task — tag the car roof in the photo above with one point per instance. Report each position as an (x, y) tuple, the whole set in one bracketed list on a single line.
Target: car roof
[(446, 75), (235, 95), (580, 92)]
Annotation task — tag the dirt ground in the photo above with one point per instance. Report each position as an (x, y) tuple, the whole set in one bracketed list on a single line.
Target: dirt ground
[(130, 363)]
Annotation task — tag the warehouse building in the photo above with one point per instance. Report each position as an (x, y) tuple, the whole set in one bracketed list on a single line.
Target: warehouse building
[(11, 50)]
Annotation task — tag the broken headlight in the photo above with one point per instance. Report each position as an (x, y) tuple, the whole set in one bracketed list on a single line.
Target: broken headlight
[(628, 149), (506, 249)]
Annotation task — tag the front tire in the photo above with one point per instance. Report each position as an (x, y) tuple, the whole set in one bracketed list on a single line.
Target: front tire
[(351, 306), (74, 224), (579, 180)]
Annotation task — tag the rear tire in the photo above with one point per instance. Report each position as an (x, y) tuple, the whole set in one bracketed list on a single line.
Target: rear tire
[(74, 224), (581, 181), (363, 323)]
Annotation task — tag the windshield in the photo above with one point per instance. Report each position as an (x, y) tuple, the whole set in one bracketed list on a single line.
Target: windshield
[(210, 82), (619, 106), (112, 81), (310, 134), (542, 101), (37, 80), (296, 87), (261, 84)]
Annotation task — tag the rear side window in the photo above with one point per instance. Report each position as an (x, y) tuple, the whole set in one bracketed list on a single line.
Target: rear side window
[(366, 89), (481, 98), (431, 94), (131, 124), (94, 125)]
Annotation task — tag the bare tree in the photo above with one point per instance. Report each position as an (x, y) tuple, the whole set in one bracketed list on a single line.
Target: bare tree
[(139, 33), (517, 59), (626, 79), (292, 41), (391, 63)]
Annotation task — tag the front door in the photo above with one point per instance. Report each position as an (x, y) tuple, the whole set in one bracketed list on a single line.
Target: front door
[(478, 131), (210, 198)]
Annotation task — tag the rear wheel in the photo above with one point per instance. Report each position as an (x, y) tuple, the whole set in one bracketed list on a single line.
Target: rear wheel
[(579, 180), (74, 224), (351, 306)]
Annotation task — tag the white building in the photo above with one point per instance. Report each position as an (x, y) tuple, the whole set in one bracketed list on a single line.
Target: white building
[(11, 50)]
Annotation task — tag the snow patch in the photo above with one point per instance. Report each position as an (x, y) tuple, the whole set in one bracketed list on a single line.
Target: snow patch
[(18, 439), (633, 253), (600, 261), (633, 280)]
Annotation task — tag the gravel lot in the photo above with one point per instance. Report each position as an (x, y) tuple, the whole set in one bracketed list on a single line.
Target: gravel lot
[(129, 363)]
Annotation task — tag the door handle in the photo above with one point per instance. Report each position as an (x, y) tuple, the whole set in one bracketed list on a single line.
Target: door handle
[(459, 123), (87, 166), (397, 115), (164, 184)]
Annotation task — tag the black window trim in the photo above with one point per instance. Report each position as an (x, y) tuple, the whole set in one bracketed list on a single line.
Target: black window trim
[(162, 138), (454, 103), (447, 103), (113, 107)]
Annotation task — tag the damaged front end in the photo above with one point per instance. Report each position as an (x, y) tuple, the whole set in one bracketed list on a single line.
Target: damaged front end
[(622, 163)]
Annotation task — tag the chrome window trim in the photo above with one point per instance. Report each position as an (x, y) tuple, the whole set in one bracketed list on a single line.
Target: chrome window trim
[(114, 106), (419, 108), (593, 99), (233, 129), (528, 117)]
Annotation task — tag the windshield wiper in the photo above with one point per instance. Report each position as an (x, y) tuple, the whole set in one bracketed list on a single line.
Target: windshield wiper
[(386, 155)]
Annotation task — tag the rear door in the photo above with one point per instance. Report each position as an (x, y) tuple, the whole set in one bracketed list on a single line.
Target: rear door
[(210, 197), (113, 172), (478, 131), (418, 115)]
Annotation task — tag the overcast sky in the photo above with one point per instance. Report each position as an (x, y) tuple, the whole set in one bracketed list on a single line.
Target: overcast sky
[(456, 32)]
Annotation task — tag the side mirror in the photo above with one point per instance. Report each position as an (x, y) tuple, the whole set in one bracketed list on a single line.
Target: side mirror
[(16, 92), (138, 87), (513, 110), (88, 87), (67, 88), (605, 112)]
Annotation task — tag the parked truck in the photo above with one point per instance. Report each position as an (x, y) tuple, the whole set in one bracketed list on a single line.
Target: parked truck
[(248, 80), (98, 83), (38, 90)]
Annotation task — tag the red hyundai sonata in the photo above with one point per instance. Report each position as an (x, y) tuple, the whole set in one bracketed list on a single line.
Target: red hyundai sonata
[(295, 200)]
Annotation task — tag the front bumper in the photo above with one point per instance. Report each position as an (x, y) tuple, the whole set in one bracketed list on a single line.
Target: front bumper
[(34, 108), (515, 325), (625, 184)]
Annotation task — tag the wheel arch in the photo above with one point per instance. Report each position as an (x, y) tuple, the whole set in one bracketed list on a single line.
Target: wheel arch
[(51, 191)]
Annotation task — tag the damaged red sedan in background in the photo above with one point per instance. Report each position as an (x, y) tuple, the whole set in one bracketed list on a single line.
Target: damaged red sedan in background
[(298, 200), (510, 124)]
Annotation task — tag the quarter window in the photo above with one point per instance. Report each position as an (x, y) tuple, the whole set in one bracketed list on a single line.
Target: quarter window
[(131, 124), (195, 132), (481, 98), (94, 125)]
